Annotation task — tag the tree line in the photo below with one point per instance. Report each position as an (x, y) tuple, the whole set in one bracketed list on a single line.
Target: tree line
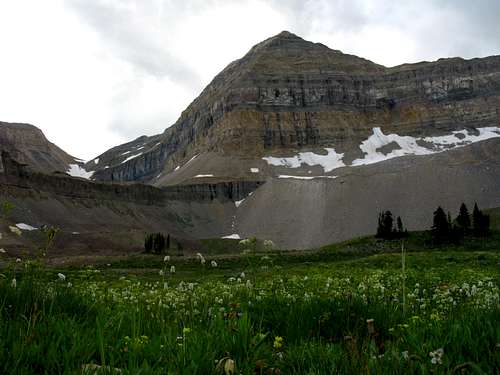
[(158, 243), (444, 229)]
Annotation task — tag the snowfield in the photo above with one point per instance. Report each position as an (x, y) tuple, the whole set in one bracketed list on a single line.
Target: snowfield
[(407, 145), (233, 237), (76, 170), (24, 226), (329, 162)]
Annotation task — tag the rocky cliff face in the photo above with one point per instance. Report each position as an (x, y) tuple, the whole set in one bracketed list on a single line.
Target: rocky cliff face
[(287, 94), (27, 144)]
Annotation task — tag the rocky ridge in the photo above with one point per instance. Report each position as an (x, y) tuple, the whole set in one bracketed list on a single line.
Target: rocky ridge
[(288, 94), (28, 145)]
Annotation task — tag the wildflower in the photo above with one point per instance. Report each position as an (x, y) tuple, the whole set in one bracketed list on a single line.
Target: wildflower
[(13, 283), (436, 356), (166, 258), (186, 331), (213, 263), (165, 285), (2, 251), (18, 260), (15, 230), (242, 275), (405, 355), (269, 244), (248, 284), (69, 285), (61, 276), (278, 342), (161, 272), (201, 258), (172, 269)]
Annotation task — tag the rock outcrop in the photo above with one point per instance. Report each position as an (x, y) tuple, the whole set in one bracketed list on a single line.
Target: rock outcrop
[(27, 144), (287, 94)]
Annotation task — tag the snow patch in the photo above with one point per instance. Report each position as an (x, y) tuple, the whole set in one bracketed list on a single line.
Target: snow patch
[(96, 161), (233, 237), (304, 177), (407, 146), (203, 175), (131, 157), (329, 162), (177, 168), (76, 170), (254, 170), (238, 203), (23, 226), (190, 160), (125, 153)]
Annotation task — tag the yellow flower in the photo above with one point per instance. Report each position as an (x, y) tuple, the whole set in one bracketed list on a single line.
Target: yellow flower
[(186, 331), (278, 342)]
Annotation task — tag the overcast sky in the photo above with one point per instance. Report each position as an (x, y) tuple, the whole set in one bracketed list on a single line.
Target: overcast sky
[(95, 73)]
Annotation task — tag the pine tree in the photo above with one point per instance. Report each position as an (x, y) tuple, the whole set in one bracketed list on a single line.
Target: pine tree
[(158, 243), (476, 220), (480, 222), (440, 227), (385, 225), (148, 243), (463, 219), (400, 225), (168, 241)]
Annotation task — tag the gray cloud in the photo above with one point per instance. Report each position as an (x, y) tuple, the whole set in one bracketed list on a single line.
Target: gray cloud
[(436, 28), (142, 33), (139, 34)]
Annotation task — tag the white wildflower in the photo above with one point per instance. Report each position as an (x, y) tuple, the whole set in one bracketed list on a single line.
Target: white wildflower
[(13, 283), (405, 355), (2, 251), (213, 263), (166, 258), (161, 272), (242, 275), (15, 230), (269, 244), (61, 276), (172, 269), (436, 356), (18, 260)]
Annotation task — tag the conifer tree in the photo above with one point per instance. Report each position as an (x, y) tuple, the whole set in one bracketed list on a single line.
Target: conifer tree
[(385, 225), (463, 219), (148, 243), (480, 222), (440, 227), (400, 225)]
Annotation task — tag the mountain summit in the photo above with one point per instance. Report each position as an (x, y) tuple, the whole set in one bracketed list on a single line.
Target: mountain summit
[(300, 144), (288, 95)]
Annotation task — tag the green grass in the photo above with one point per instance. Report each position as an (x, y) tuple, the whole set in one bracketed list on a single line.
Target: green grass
[(128, 316)]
